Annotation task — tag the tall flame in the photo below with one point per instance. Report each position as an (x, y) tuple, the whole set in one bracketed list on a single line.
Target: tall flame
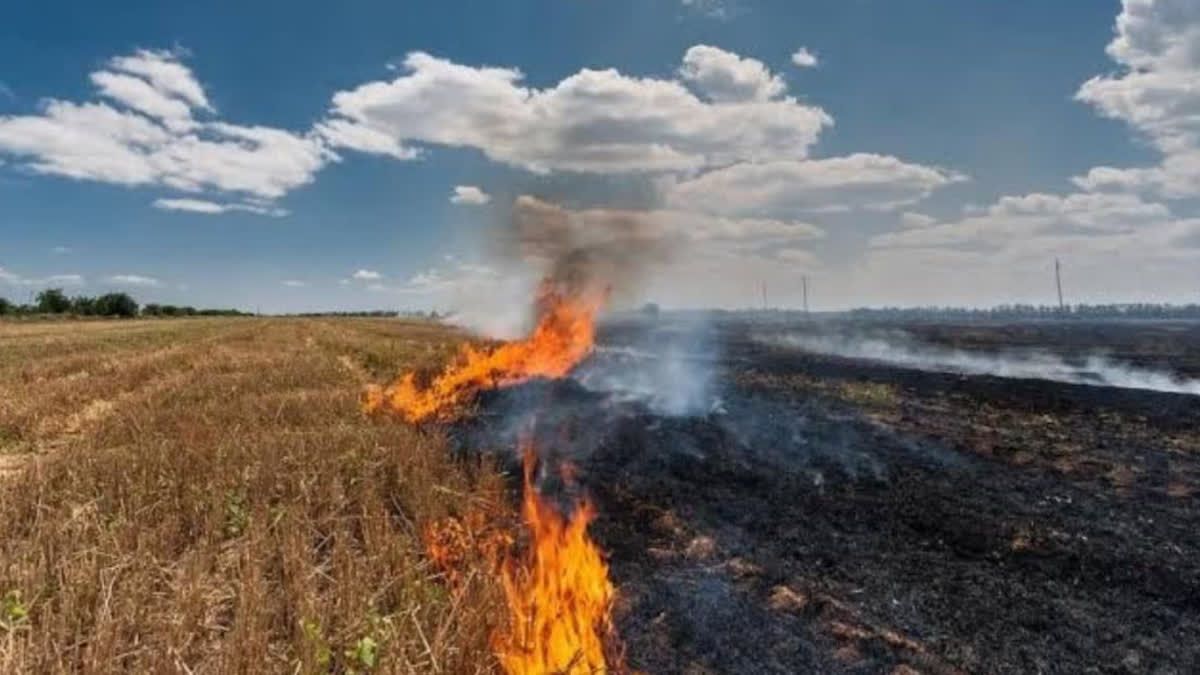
[(558, 593), (559, 596), (564, 335)]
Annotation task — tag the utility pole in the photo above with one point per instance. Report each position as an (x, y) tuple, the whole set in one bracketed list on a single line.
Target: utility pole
[(1058, 283), (764, 292), (804, 287)]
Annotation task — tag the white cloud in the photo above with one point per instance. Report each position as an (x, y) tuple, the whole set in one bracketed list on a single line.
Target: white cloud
[(134, 280), (343, 282), (163, 70), (150, 135), (804, 58), (1116, 240), (726, 77), (61, 250), (1157, 93), (294, 283), (469, 194), (205, 206), (367, 275), (141, 96), (593, 121), (913, 220), (1017, 220), (861, 180), (15, 279), (1098, 267), (343, 133), (713, 9)]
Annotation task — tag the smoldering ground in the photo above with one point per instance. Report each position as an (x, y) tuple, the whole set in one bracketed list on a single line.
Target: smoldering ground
[(789, 526), (899, 348)]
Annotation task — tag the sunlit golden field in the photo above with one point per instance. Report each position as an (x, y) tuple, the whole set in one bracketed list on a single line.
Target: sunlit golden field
[(205, 496)]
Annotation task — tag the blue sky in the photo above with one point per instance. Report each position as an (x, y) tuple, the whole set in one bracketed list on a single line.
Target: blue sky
[(259, 155)]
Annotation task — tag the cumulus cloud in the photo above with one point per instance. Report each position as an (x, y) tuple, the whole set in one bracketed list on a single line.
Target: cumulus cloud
[(804, 58), (599, 121), (154, 126), (861, 180), (205, 206), (727, 77), (469, 194), (343, 133), (1116, 239), (1156, 92), (134, 280), (366, 275)]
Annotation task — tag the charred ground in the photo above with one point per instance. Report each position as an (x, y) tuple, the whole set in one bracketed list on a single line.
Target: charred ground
[(838, 515)]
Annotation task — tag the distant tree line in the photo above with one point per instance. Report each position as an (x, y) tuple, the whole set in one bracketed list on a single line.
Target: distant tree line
[(1139, 310), (54, 301)]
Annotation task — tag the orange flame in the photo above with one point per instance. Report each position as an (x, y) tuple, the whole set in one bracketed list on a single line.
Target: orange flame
[(564, 335), (559, 596)]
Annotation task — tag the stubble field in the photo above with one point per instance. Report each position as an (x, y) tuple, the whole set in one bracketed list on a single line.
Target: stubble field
[(206, 496), (203, 496)]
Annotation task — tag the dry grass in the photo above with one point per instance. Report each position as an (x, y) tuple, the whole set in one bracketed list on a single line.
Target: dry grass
[(203, 496)]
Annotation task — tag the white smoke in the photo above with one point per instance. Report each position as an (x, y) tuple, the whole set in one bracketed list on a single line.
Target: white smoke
[(1094, 369), (667, 368)]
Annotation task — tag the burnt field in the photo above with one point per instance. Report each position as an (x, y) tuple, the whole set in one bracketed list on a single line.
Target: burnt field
[(768, 509)]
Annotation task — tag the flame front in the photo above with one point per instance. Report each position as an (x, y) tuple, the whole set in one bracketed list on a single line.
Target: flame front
[(559, 596), (564, 335), (558, 593)]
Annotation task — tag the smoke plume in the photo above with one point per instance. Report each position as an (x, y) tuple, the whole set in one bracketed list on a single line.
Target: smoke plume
[(898, 349)]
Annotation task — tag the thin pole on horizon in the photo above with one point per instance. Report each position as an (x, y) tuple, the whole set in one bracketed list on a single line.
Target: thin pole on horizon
[(804, 288), (1058, 283)]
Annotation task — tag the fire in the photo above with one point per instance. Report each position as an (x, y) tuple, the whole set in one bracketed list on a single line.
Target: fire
[(564, 335), (557, 591), (559, 595)]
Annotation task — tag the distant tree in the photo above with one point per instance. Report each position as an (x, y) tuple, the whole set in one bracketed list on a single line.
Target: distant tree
[(6, 307), (53, 301), (650, 309), (83, 305), (116, 304)]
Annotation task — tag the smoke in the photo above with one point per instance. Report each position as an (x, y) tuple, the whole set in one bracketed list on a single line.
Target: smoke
[(900, 350), (583, 253), (668, 367), (606, 248)]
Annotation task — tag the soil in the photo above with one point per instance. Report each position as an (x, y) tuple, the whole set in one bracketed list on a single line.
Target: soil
[(832, 515)]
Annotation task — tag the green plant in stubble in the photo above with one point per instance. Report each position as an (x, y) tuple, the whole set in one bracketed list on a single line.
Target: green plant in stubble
[(14, 612), (364, 654), (317, 645), (237, 515)]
